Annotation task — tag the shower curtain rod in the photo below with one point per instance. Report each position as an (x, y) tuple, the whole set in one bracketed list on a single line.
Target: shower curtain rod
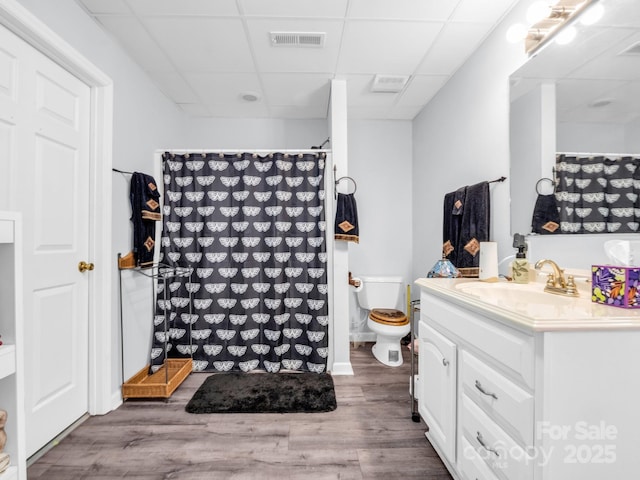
[(586, 154), (248, 150)]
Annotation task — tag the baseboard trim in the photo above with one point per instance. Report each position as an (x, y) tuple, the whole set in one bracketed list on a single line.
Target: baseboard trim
[(342, 369)]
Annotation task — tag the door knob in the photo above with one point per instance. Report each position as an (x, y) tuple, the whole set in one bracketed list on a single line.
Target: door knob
[(84, 266)]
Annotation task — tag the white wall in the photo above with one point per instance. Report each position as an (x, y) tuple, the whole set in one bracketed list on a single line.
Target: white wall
[(632, 140), (250, 133), (143, 120), (462, 138), (525, 153), (578, 137), (380, 161)]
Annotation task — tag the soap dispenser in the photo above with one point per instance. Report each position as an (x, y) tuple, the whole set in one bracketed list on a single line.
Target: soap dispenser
[(520, 266)]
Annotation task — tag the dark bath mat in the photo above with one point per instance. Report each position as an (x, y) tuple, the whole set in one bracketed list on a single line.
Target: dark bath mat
[(239, 392)]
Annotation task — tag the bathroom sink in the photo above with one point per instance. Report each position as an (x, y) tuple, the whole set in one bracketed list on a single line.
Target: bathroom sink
[(528, 299)]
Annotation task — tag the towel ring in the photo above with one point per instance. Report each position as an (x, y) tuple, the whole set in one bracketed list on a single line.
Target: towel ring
[(355, 185), (541, 180)]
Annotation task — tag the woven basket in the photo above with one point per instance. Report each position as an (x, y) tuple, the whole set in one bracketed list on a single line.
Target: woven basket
[(145, 385)]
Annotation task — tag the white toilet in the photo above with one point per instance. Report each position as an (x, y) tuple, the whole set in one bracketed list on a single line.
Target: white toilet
[(380, 296)]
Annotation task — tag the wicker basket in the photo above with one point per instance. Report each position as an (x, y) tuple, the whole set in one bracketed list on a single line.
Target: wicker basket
[(145, 385)]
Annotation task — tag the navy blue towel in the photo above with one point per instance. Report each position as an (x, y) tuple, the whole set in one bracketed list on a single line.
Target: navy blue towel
[(466, 224), (546, 217), (346, 226), (475, 225)]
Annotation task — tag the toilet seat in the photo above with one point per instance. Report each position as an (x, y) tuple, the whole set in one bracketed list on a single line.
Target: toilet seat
[(389, 316)]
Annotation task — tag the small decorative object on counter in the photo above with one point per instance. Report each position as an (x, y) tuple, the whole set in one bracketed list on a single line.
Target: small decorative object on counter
[(615, 286), (520, 266), (443, 269), (4, 457)]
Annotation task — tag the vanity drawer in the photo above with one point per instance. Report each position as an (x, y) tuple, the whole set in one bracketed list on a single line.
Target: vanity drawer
[(501, 453), (512, 348), (472, 465), (502, 399)]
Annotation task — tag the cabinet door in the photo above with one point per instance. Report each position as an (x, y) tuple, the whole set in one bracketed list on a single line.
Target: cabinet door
[(437, 403)]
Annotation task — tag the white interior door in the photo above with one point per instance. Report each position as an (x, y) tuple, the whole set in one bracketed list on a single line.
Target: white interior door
[(44, 143)]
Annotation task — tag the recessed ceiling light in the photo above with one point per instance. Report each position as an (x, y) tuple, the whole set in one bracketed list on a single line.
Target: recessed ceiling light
[(250, 96)]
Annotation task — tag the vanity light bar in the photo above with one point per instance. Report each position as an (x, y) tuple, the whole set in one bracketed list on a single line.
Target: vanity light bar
[(561, 14)]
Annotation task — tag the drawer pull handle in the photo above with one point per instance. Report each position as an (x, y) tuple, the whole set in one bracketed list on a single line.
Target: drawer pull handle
[(445, 362), (484, 445), (483, 391)]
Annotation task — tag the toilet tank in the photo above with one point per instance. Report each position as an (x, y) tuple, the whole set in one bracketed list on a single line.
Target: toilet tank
[(380, 292)]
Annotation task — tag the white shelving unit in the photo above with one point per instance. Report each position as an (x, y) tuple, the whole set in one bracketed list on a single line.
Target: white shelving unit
[(11, 351)]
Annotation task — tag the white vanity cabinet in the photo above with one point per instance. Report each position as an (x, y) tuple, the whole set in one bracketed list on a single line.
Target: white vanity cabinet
[(508, 397), (11, 365), (437, 404)]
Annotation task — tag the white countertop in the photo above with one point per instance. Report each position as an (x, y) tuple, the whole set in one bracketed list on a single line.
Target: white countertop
[(527, 306)]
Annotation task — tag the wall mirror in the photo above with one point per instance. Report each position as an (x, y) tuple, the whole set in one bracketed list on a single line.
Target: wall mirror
[(580, 98)]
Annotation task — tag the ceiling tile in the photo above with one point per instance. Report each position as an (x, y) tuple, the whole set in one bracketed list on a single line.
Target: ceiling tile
[(223, 88), (625, 67), (385, 47), (195, 109), (555, 63), (402, 9), (194, 44), (292, 111), (105, 6), (246, 110), (475, 11), (137, 42), (295, 8), (454, 45), (184, 7), (295, 59), (421, 89), (203, 54), (296, 89), (359, 93)]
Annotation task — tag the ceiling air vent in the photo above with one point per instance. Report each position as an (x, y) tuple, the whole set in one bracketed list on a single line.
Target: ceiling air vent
[(389, 83), (634, 49), (297, 39)]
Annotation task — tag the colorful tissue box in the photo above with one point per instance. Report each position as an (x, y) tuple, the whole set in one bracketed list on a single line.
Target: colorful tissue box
[(616, 286)]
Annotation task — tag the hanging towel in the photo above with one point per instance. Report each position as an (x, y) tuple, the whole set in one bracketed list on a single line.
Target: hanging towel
[(474, 227), (546, 218), (145, 212), (346, 226), (453, 208)]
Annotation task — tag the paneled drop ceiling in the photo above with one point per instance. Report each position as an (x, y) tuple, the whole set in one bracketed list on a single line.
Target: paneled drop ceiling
[(206, 55)]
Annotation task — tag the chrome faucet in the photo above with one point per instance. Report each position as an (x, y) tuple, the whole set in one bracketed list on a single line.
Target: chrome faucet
[(556, 282)]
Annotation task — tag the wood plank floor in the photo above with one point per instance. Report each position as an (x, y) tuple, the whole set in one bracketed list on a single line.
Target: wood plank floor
[(370, 435)]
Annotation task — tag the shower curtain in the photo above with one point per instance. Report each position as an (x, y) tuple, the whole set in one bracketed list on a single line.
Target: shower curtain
[(598, 194), (252, 229)]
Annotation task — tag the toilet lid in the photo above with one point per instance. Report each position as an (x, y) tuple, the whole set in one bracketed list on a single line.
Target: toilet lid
[(388, 316)]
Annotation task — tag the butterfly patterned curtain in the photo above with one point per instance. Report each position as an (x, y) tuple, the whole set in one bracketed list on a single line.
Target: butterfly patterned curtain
[(252, 229), (598, 194)]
